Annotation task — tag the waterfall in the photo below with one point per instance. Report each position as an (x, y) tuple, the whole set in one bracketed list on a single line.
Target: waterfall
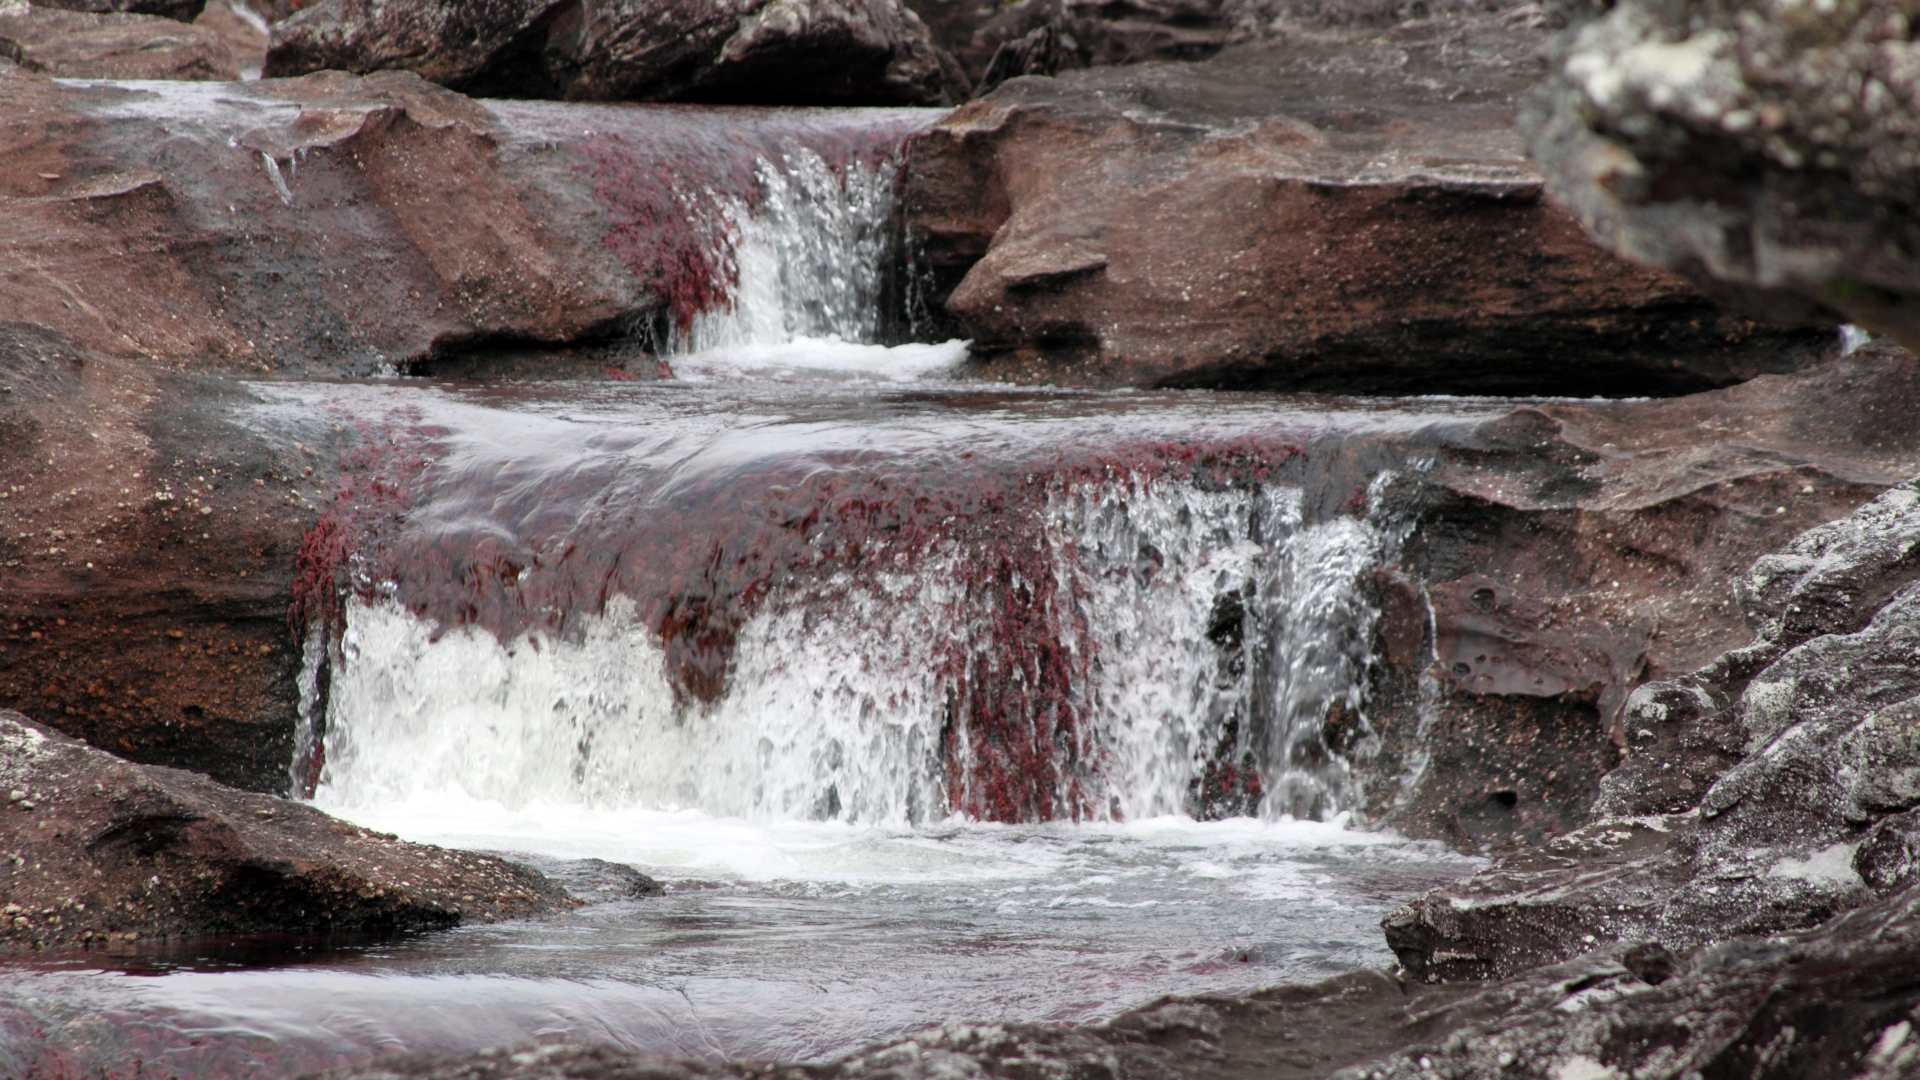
[(1208, 634), (684, 600)]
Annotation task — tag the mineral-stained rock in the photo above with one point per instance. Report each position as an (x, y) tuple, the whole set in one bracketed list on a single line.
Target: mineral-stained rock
[(95, 849), (1565, 554), (84, 45), (180, 10), (764, 52), (1345, 210), (1796, 768), (1767, 149)]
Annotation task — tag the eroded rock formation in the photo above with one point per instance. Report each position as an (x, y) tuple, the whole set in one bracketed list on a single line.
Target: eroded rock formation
[(1344, 209), (100, 850), (762, 52), (1768, 791), (1765, 149)]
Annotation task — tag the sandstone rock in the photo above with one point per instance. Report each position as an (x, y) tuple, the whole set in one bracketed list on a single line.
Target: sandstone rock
[(766, 52), (1341, 210), (181, 10), (1592, 547), (1766, 150), (98, 850), (85, 45), (1797, 766), (243, 29)]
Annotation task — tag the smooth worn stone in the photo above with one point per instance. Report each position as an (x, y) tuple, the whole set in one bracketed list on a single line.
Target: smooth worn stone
[(110, 45), (1767, 150), (762, 52), (1345, 210), (97, 850)]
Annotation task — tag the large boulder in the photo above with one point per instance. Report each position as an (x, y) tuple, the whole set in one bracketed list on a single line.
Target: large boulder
[(1347, 209), (99, 850), (1569, 552), (1768, 150), (765, 52), (1768, 791), (86, 45)]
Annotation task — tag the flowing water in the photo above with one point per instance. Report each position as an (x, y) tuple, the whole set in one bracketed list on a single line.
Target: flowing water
[(927, 700)]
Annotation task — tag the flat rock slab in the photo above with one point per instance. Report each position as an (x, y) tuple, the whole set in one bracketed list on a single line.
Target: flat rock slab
[(94, 849), (89, 45), (1347, 210)]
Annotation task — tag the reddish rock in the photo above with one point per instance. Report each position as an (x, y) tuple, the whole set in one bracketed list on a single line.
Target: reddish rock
[(98, 850), (1594, 547), (763, 52), (84, 45), (1343, 211), (243, 29)]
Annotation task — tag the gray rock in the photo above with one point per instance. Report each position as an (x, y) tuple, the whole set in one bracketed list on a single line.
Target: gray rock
[(1799, 747), (1768, 150), (764, 52)]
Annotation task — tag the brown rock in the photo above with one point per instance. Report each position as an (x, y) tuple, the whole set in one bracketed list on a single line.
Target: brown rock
[(180, 10), (244, 31), (86, 45), (766, 52), (98, 850), (1594, 546), (1346, 210), (1808, 814)]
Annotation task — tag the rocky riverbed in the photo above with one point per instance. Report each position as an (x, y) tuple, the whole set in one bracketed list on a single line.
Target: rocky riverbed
[(1651, 653)]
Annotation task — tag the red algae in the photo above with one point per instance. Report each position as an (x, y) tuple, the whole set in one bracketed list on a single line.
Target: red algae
[(513, 554)]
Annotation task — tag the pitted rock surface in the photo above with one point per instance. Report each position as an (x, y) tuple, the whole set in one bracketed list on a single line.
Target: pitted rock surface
[(1768, 792), (96, 850), (1767, 149), (762, 52)]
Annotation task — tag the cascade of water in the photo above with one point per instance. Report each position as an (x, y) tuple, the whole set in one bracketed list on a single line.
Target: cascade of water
[(805, 257), (1203, 636)]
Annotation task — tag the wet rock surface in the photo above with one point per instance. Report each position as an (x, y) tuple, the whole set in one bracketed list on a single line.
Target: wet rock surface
[(88, 45), (1344, 209), (762, 52), (1764, 149), (94, 850), (1289, 1033), (1766, 792), (1567, 553)]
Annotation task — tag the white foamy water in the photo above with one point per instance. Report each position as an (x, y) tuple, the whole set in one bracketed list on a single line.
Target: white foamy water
[(837, 694)]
